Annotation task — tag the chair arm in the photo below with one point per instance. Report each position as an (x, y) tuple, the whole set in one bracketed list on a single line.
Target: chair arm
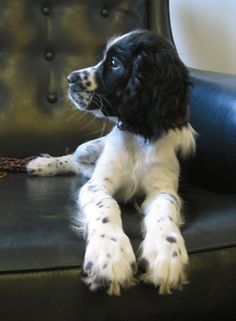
[(213, 116)]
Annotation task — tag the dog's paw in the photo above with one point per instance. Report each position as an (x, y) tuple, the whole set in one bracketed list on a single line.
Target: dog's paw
[(164, 261), (109, 262), (44, 165)]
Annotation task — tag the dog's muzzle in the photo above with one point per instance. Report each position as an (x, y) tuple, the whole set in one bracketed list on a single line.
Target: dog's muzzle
[(82, 92), (73, 78), (81, 86)]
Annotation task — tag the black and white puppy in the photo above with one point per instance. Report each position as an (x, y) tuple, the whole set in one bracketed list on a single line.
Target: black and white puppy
[(142, 86)]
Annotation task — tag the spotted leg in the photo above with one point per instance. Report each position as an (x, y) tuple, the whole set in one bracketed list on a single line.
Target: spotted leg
[(163, 253), (109, 259), (83, 161)]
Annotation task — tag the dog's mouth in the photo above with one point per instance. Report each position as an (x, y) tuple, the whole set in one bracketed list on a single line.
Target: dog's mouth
[(81, 99), (89, 101)]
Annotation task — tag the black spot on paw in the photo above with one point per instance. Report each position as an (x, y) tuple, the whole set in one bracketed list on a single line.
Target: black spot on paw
[(88, 267), (143, 265), (99, 204), (93, 231), (105, 220), (174, 254), (92, 188), (171, 239), (134, 267)]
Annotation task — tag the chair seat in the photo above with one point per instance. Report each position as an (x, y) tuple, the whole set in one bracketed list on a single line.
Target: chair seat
[(37, 220), (41, 256)]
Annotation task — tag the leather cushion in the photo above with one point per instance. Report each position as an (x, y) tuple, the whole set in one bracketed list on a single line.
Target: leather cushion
[(36, 222), (213, 116), (60, 295)]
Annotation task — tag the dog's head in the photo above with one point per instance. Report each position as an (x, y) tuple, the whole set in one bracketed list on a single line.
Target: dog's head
[(140, 82)]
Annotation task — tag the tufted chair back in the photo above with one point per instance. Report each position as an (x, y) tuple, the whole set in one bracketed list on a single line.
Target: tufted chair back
[(41, 42)]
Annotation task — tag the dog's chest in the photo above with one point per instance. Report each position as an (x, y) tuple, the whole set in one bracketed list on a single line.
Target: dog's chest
[(134, 161), (132, 151)]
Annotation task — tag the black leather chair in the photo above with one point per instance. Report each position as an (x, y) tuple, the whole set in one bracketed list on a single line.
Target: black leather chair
[(41, 41)]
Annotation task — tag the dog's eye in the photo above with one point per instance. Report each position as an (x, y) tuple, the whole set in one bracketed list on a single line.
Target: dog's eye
[(113, 63)]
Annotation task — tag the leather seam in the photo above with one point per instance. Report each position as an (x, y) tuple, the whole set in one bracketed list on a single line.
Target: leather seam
[(42, 271), (211, 248)]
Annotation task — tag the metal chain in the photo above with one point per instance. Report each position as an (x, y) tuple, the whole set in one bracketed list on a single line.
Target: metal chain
[(11, 164)]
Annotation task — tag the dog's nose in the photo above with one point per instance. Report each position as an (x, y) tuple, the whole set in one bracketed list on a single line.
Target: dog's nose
[(73, 78)]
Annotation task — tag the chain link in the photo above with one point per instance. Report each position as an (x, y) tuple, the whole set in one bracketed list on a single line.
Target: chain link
[(11, 164)]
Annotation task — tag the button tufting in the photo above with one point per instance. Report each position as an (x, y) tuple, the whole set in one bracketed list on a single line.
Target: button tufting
[(46, 10), (105, 12), (49, 55), (52, 98)]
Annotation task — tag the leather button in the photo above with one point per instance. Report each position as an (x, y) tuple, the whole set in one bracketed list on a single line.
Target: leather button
[(105, 12), (49, 55), (46, 10), (52, 98)]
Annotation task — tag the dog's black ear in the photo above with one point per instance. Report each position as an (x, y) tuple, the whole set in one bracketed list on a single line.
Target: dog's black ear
[(136, 102), (171, 86), (156, 96)]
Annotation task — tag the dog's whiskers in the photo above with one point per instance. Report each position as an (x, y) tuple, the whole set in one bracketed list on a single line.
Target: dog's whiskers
[(89, 123), (101, 98), (97, 100)]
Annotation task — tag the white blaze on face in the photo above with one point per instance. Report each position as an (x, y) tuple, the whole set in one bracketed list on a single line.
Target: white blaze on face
[(118, 38), (88, 78)]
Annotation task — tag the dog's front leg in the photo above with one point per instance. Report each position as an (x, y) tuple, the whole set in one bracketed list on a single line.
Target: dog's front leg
[(164, 256), (109, 259), (82, 161)]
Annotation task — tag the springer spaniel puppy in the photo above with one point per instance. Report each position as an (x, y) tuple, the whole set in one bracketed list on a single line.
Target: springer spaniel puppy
[(142, 86)]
